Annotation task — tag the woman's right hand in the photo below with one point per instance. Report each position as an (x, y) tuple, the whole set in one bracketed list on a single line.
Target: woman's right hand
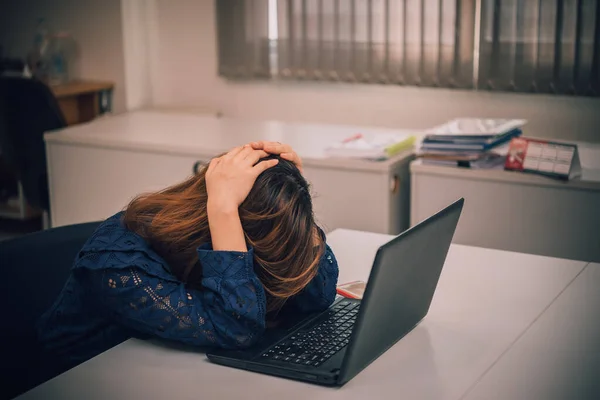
[(230, 178)]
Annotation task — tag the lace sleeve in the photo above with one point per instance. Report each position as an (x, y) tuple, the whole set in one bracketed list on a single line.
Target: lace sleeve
[(229, 312), (321, 291)]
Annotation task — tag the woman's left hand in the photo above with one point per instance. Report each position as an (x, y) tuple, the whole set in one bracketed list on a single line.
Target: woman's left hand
[(284, 151)]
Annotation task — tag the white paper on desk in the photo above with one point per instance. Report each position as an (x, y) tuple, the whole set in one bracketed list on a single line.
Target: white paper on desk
[(477, 126), (367, 146)]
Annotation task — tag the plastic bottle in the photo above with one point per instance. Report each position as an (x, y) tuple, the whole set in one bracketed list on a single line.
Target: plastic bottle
[(38, 56), (58, 56)]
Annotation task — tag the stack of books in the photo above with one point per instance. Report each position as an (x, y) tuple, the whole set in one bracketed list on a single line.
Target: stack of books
[(470, 142)]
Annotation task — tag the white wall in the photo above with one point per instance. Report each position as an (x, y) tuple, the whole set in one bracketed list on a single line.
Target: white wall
[(139, 46), (186, 74), (96, 26)]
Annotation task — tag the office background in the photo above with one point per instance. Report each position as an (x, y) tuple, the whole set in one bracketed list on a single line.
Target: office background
[(497, 304), (165, 53)]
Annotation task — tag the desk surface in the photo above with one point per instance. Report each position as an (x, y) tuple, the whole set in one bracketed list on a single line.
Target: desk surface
[(485, 301), (208, 135), (558, 357)]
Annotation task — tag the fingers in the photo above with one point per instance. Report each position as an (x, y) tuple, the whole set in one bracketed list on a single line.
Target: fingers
[(272, 147), (254, 151), (278, 148), (285, 151), (233, 152), (250, 155), (245, 152), (211, 166), (265, 165), (293, 157), (255, 156), (258, 145)]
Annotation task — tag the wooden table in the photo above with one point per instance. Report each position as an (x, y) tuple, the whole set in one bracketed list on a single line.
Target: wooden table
[(82, 101)]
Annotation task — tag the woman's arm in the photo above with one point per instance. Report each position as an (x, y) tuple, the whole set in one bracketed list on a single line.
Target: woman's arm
[(229, 179), (226, 230), (228, 312)]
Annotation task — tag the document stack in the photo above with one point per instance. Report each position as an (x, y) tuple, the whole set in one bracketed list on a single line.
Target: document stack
[(371, 147), (470, 142)]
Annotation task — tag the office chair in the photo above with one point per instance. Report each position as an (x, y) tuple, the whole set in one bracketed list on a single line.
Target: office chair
[(29, 109), (33, 271)]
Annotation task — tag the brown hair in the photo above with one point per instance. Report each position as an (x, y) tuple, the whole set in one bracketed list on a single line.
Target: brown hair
[(277, 218)]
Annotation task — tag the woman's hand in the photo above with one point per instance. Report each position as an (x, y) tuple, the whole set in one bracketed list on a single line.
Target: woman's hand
[(230, 178), (284, 151)]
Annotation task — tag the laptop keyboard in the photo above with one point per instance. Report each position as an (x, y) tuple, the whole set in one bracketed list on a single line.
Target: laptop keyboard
[(317, 343)]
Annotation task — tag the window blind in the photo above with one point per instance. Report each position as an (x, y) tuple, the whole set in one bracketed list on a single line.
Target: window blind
[(242, 38), (541, 46), (407, 42), (545, 46)]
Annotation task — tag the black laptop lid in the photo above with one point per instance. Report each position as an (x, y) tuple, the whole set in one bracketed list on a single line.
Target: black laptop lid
[(401, 285)]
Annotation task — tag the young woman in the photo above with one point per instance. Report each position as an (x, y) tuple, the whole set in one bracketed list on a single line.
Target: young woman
[(205, 262)]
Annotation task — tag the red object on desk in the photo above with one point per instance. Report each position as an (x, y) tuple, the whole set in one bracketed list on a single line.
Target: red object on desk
[(353, 138), (516, 154), (352, 290)]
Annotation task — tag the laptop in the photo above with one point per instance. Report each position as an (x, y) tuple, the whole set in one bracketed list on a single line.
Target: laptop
[(332, 347)]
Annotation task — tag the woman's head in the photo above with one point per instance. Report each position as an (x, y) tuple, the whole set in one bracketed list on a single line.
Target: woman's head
[(277, 218)]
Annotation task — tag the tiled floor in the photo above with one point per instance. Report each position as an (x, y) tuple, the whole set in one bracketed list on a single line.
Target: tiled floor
[(12, 228)]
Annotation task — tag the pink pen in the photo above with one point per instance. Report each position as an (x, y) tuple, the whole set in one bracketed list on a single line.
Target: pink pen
[(353, 138)]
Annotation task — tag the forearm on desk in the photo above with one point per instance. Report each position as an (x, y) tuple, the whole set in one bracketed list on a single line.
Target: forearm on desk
[(227, 312)]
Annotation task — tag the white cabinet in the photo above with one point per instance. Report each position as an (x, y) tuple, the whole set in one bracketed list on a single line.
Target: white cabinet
[(514, 211), (97, 168)]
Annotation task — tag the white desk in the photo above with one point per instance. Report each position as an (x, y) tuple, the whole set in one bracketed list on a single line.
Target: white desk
[(97, 168), (516, 211), (559, 356), (485, 300)]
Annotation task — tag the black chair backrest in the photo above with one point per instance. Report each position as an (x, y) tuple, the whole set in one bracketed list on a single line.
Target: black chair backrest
[(29, 110), (34, 269)]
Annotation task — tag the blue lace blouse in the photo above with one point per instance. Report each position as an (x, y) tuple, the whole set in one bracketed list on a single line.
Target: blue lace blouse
[(120, 288)]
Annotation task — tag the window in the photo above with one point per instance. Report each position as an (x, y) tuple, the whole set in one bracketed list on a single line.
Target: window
[(549, 46)]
